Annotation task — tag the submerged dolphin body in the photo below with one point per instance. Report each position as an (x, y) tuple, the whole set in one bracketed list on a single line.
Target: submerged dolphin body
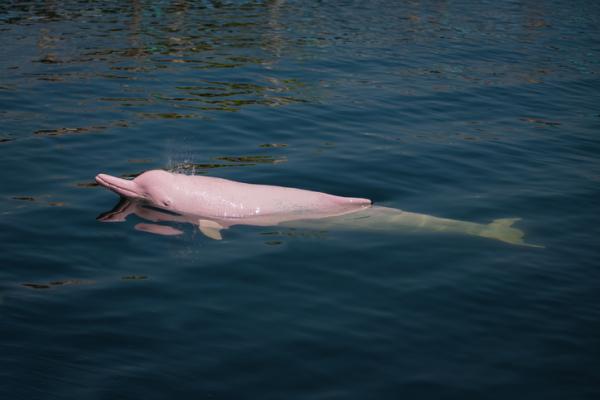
[(214, 204)]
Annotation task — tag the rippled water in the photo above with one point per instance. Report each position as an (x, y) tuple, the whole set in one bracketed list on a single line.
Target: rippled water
[(470, 110)]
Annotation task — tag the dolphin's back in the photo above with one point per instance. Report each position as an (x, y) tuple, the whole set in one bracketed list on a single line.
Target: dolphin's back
[(230, 199)]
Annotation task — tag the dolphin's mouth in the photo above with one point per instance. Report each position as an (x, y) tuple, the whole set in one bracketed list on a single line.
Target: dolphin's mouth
[(120, 186)]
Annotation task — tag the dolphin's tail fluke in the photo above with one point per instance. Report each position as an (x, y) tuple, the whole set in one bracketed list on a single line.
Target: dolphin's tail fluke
[(502, 229)]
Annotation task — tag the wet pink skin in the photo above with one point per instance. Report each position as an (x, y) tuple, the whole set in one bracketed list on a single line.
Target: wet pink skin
[(214, 204), (230, 202)]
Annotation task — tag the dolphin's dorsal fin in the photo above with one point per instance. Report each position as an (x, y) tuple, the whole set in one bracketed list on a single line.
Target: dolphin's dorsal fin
[(504, 222), (210, 229)]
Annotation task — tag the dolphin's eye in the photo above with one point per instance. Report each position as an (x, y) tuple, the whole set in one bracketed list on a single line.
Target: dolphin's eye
[(166, 202)]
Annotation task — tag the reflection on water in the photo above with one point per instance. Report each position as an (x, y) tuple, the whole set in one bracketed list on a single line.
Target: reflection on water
[(67, 131), (365, 218), (137, 43), (191, 60), (52, 284)]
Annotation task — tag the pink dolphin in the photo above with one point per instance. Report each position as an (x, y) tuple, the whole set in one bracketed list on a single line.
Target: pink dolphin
[(214, 204), (218, 203)]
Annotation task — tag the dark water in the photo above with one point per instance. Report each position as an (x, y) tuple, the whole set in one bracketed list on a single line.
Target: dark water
[(471, 110)]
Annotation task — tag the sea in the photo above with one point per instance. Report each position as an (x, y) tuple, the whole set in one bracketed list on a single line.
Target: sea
[(464, 110)]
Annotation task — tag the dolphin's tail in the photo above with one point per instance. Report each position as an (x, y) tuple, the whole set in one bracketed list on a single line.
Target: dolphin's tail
[(502, 229)]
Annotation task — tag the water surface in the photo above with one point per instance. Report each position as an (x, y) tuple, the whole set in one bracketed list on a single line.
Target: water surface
[(468, 110)]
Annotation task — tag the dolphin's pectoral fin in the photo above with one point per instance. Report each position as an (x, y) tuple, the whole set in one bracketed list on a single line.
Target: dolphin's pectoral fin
[(210, 229)]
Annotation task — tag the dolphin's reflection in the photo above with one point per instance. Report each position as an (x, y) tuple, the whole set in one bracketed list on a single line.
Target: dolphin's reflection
[(209, 226), (126, 207), (374, 219)]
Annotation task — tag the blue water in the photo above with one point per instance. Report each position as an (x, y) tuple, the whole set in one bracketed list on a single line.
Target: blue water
[(469, 110)]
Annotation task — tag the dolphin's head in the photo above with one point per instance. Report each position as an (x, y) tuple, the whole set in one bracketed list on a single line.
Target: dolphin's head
[(152, 186)]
